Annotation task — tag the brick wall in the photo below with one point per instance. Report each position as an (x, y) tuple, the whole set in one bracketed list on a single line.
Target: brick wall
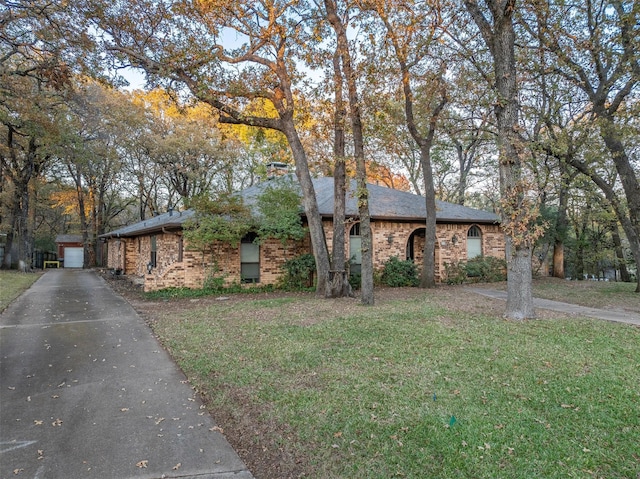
[(116, 253), (197, 267), (178, 266), (392, 239)]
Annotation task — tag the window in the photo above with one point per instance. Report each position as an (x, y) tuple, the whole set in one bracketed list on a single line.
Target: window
[(355, 249), (249, 259), (154, 257), (180, 248), (474, 242)]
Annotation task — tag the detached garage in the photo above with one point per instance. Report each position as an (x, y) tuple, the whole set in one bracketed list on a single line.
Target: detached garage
[(70, 251)]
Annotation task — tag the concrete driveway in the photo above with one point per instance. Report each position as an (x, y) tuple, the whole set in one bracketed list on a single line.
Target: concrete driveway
[(87, 392)]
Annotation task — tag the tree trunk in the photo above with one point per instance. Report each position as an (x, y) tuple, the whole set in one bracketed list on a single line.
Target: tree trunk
[(26, 243), (561, 226), (339, 277), (310, 203), (428, 276), (362, 195), (12, 233), (622, 261), (500, 38), (630, 185), (26, 166), (558, 259)]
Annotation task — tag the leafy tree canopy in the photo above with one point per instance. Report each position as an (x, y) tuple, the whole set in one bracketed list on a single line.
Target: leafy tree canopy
[(280, 209), (220, 219)]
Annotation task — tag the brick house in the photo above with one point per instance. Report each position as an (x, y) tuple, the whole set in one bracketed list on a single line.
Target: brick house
[(153, 251)]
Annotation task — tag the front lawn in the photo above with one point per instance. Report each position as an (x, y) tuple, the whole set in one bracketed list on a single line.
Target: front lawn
[(423, 384), (13, 284)]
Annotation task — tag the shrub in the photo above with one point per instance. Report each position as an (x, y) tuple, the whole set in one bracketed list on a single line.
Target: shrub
[(455, 273), (214, 281), (397, 273), (299, 272), (481, 269), (355, 280), (487, 269)]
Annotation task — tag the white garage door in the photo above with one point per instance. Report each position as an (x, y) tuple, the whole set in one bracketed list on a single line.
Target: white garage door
[(73, 257)]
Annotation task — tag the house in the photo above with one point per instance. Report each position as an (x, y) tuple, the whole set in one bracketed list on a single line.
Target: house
[(154, 251), (70, 250)]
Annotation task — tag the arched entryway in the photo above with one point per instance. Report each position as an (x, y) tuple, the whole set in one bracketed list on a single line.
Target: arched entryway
[(415, 250), (415, 245)]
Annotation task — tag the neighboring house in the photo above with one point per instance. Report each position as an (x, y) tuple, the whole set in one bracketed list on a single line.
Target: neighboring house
[(70, 250), (154, 250)]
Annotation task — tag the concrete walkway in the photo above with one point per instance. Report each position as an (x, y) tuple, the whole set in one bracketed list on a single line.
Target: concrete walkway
[(86, 391), (617, 316)]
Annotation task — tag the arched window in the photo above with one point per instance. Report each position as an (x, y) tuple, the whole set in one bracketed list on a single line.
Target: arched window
[(249, 259), (474, 242), (355, 249)]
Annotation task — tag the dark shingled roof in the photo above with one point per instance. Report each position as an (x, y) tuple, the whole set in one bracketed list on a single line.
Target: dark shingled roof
[(171, 220), (69, 239), (384, 203)]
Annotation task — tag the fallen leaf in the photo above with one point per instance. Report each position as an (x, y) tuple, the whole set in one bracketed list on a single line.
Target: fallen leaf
[(158, 421), (17, 471), (142, 464), (11, 388), (177, 466), (37, 422), (338, 434), (57, 422), (217, 428), (124, 409)]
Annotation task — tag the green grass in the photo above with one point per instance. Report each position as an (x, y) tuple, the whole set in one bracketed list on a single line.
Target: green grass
[(596, 294), (412, 389), (13, 284)]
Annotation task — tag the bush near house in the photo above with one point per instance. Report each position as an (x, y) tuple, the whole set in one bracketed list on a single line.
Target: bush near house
[(397, 273), (299, 273), (482, 269)]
